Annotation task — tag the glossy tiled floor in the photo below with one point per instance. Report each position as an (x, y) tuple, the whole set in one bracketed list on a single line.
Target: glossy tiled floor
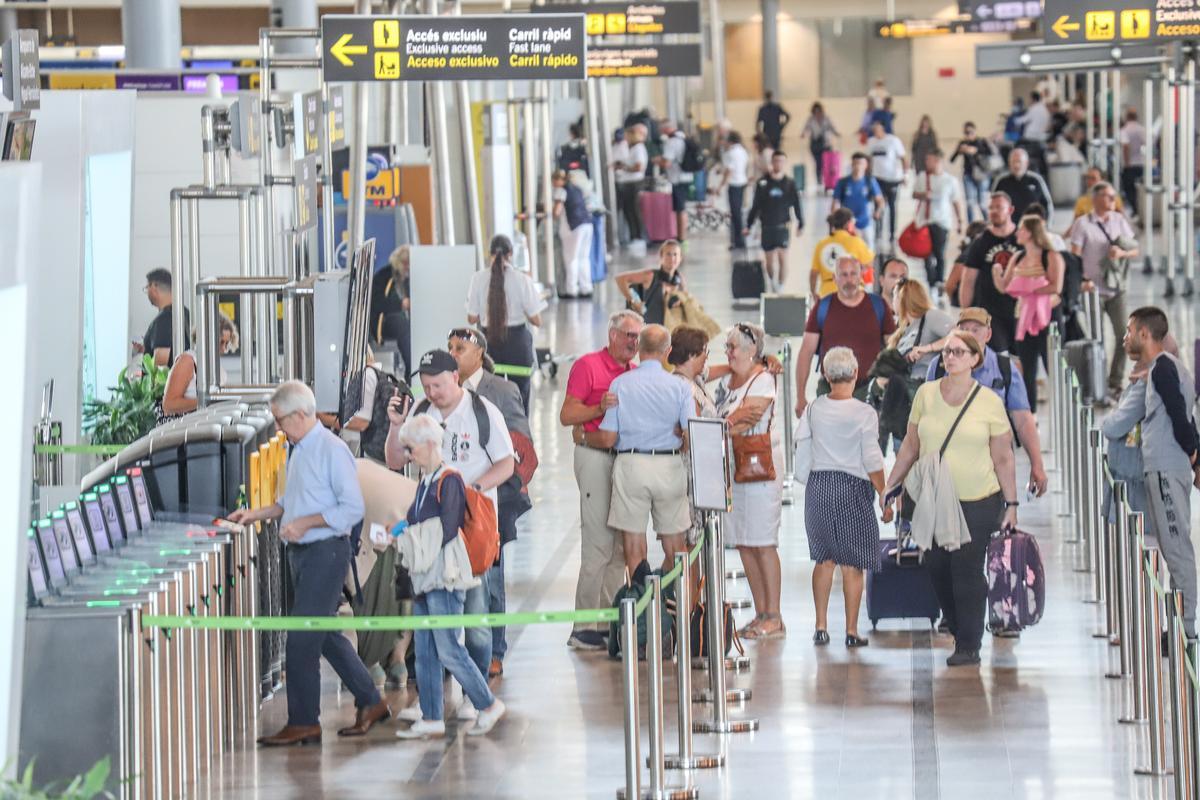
[(890, 721)]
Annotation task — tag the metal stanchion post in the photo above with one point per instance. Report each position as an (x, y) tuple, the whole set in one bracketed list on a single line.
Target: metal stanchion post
[(1119, 556), (720, 722), (1083, 499), (629, 673), (1152, 634), (1059, 432), (1193, 712), (1095, 520), (1137, 616), (686, 758), (1177, 673), (1071, 454), (1054, 345)]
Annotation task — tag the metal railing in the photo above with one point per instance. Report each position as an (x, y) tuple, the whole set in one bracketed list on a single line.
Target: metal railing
[(1143, 617)]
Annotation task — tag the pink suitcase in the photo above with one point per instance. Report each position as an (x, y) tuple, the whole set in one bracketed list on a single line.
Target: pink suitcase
[(657, 216), (831, 168)]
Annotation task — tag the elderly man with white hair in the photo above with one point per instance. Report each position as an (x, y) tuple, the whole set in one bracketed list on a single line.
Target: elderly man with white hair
[(1023, 186), (320, 505)]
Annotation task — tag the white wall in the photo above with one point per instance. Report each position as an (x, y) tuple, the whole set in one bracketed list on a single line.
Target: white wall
[(20, 210)]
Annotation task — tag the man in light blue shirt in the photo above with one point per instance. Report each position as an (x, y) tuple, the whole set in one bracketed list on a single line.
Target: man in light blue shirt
[(321, 503), (649, 478)]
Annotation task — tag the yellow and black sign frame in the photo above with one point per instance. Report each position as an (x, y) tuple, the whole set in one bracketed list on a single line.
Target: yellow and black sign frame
[(633, 19), (359, 48), (1120, 21)]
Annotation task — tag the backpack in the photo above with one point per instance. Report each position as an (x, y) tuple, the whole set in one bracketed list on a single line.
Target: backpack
[(572, 156), (1072, 294), (576, 208), (634, 591), (1016, 580), (373, 440), (480, 531), (877, 303), (693, 156)]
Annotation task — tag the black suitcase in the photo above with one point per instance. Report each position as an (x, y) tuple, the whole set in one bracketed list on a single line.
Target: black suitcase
[(1086, 357), (900, 591), (748, 280)]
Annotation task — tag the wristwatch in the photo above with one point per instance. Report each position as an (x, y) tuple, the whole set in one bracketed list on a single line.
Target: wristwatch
[(1010, 504)]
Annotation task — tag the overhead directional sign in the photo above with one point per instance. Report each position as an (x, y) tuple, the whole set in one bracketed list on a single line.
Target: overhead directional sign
[(644, 61), (1116, 21), (633, 19), (1000, 16), (469, 47)]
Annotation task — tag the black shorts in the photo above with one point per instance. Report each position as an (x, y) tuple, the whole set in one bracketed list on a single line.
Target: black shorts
[(679, 197), (776, 237)]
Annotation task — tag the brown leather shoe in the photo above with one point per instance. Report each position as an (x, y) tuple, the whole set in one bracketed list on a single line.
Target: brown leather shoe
[(366, 718), (496, 669), (293, 734)]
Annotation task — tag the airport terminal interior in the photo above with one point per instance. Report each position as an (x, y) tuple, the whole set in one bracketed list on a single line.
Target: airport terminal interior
[(722, 280)]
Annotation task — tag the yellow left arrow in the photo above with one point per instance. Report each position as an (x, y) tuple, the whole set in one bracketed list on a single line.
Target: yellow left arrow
[(342, 49)]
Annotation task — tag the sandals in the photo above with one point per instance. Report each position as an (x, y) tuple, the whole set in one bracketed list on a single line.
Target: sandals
[(749, 630), (778, 632)]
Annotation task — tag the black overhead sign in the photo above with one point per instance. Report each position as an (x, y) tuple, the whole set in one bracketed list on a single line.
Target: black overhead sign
[(22, 71), (643, 61), (1099, 21), (469, 47), (633, 19)]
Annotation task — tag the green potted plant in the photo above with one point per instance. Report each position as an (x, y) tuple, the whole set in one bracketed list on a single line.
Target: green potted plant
[(132, 410), (82, 787)]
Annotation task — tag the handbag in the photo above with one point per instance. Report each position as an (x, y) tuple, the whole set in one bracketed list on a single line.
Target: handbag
[(803, 460), (915, 240), (1114, 272), (699, 629), (752, 459)]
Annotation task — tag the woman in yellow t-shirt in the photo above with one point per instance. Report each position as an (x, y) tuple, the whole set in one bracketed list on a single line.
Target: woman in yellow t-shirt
[(982, 465), (841, 242)]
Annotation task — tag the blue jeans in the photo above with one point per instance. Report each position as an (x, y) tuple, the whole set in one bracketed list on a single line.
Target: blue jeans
[(317, 572), (975, 194), (479, 640), (497, 604), (438, 649)]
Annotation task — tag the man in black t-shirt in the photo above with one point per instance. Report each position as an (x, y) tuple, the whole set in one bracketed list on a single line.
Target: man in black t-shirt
[(995, 246), (157, 341), (1023, 187), (772, 119)]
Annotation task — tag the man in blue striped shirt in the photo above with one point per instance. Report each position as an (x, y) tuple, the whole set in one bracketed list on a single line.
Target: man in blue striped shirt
[(321, 503)]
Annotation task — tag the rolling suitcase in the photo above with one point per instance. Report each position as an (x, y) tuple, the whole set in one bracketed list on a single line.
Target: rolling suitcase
[(800, 176), (1086, 357), (748, 279), (900, 589), (599, 254), (1016, 582), (657, 217), (831, 168)]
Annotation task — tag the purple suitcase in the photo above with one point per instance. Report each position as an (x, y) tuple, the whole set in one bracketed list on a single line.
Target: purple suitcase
[(1016, 582), (658, 218), (899, 591)]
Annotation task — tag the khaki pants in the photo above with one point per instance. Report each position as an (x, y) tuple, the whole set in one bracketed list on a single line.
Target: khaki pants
[(1114, 309), (601, 556)]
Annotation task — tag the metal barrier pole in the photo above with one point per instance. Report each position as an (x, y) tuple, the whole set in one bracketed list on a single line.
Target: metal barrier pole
[(715, 589), (789, 455), (629, 674), (1095, 521), (1193, 710), (686, 758), (1137, 615), (1177, 671), (1059, 431), (1071, 455), (1090, 98), (1187, 171), (1152, 633), (1121, 591), (1149, 187), (1169, 180)]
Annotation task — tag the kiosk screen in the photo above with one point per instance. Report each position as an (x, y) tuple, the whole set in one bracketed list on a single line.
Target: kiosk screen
[(62, 534), (125, 500), (54, 564), (140, 495), (37, 573), (112, 520), (95, 520), (79, 533)]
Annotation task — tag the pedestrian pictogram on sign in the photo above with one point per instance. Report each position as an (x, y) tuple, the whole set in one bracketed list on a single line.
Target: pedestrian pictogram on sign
[(1100, 25), (1135, 23), (387, 34)]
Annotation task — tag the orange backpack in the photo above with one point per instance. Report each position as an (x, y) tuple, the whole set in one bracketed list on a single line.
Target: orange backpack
[(480, 531)]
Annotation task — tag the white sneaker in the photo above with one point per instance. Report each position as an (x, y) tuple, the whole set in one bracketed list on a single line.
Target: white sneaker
[(423, 729), (412, 713), (488, 718), (466, 712)]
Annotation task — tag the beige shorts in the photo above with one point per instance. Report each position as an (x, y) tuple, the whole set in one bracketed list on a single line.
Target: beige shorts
[(649, 487)]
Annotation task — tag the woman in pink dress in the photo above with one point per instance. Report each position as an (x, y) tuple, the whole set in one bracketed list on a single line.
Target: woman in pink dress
[(1035, 277)]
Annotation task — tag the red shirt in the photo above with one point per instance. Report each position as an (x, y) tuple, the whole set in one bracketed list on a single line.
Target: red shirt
[(856, 327), (591, 376)]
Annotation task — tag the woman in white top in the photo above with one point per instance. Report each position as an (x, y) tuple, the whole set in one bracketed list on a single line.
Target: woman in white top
[(746, 399), (842, 435), (940, 209), (179, 396), (889, 166), (735, 174), (505, 302)]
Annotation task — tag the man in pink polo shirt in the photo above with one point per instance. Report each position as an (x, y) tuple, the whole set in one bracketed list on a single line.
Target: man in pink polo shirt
[(602, 559)]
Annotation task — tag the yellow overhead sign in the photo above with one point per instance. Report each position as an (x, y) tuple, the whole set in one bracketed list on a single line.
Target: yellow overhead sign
[(1100, 21)]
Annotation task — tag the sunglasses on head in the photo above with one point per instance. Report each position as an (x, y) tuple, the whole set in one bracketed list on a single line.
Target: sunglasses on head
[(747, 331), (467, 335)]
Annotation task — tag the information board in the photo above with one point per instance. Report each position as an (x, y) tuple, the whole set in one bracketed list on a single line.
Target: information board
[(643, 61), (1092, 21), (499, 47), (22, 70), (304, 192), (633, 19), (708, 460), (306, 118), (336, 109)]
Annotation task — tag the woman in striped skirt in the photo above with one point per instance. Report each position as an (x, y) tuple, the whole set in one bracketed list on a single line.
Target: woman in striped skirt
[(842, 435)]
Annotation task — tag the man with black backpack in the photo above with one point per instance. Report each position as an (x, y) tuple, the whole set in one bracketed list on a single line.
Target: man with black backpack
[(681, 158)]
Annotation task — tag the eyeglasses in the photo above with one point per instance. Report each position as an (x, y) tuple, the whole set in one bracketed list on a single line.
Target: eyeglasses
[(957, 352)]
